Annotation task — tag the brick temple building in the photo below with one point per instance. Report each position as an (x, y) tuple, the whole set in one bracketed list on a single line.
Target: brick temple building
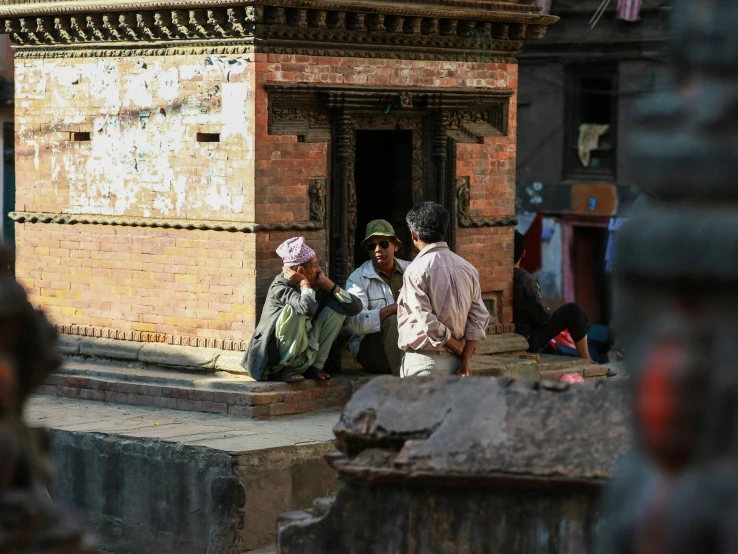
[(164, 149)]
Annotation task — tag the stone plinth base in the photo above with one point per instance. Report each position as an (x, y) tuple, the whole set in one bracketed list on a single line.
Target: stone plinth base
[(176, 483), (467, 465)]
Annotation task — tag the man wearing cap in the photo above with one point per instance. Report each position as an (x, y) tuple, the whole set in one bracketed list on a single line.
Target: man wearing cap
[(302, 316), (377, 284)]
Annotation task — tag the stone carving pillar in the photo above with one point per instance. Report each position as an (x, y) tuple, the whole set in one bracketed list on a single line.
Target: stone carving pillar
[(342, 253), (440, 154), (450, 198), (677, 307)]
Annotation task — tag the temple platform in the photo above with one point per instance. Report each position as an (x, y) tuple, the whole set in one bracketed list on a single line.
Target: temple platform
[(209, 381), (146, 477)]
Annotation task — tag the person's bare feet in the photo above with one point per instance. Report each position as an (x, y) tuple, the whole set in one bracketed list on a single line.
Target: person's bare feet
[(315, 373)]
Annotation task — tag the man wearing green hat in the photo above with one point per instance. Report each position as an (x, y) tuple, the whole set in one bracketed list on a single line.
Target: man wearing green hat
[(377, 284)]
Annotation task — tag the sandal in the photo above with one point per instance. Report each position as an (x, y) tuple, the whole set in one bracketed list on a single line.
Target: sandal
[(294, 378), (314, 373)]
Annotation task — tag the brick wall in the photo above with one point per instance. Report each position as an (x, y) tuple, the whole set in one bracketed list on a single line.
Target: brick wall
[(186, 283), (284, 165), (143, 116), (142, 158)]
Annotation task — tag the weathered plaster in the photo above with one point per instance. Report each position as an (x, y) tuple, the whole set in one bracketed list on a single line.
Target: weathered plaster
[(143, 117)]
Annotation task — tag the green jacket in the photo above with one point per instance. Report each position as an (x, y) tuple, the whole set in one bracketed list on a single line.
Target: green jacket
[(263, 351)]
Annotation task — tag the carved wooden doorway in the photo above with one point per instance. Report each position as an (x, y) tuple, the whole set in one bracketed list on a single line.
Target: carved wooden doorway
[(383, 180), (422, 127), (369, 147)]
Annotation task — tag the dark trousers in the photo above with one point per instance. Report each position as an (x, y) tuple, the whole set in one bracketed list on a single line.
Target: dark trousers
[(569, 316), (379, 353)]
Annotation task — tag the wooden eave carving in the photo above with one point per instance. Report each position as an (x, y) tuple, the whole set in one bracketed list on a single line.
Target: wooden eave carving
[(304, 110), (431, 29)]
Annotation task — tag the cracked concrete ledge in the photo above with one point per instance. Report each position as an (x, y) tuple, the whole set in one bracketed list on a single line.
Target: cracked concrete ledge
[(207, 360)]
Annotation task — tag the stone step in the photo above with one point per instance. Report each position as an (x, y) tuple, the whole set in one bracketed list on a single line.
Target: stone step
[(548, 368), (219, 393)]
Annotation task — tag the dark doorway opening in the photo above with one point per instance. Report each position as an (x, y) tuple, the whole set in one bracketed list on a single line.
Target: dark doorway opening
[(383, 175), (591, 286)]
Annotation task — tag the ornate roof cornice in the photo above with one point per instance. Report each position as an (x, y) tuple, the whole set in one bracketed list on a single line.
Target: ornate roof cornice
[(459, 9), (436, 29)]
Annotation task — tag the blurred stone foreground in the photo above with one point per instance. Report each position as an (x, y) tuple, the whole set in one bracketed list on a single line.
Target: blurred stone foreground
[(467, 465), (29, 521)]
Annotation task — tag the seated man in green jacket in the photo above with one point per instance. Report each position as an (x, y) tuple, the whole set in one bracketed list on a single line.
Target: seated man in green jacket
[(302, 316)]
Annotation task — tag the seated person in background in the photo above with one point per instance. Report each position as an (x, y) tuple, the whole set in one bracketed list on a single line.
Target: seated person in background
[(534, 320), (377, 284), (302, 316)]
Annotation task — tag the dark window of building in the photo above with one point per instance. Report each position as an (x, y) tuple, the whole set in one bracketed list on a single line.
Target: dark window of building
[(591, 151)]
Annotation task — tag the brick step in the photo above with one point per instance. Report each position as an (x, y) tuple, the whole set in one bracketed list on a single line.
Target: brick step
[(220, 394), (546, 368)]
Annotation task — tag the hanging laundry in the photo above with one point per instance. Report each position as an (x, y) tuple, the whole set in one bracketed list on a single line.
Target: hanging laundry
[(589, 140), (545, 5), (629, 10)]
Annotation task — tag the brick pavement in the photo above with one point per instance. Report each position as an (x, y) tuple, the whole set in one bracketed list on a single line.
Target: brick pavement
[(223, 432)]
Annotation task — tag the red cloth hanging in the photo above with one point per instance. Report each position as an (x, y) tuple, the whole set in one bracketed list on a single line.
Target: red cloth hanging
[(629, 10)]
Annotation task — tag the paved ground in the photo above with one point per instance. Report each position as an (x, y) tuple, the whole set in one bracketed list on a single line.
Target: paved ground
[(223, 432)]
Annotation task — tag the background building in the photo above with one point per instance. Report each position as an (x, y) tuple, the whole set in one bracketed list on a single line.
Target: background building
[(163, 154), (7, 139), (577, 87)]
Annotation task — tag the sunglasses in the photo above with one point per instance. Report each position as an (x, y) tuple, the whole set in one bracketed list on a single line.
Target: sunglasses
[(385, 244)]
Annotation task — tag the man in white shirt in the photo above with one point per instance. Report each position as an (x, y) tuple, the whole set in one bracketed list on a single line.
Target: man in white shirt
[(377, 283), (440, 313)]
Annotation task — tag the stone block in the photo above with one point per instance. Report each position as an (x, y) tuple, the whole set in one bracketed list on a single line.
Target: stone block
[(189, 405), (230, 362), (313, 406), (595, 371), (323, 393), (110, 348), (557, 374), (68, 345), (174, 392), (150, 390), (56, 380), (214, 407), (502, 344), (298, 396), (128, 388), (164, 402), (49, 390), (68, 392), (262, 398), (178, 356), (75, 381), (248, 411), (89, 394), (282, 409), (496, 366), (226, 397), (523, 428), (140, 400), (119, 397), (105, 386), (197, 394)]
